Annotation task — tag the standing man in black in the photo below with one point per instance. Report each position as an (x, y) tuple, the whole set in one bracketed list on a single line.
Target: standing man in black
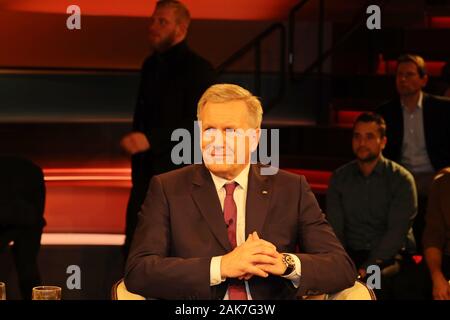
[(172, 80), (418, 131)]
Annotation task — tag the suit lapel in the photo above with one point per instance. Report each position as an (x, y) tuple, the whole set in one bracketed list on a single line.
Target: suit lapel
[(398, 120), (205, 196), (259, 193), (427, 118)]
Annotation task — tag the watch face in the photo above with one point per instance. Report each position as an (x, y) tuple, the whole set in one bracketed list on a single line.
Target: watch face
[(290, 264), (289, 261)]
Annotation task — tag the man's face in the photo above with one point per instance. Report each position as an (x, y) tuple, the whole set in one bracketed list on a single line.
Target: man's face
[(367, 142), (163, 29), (227, 137), (408, 80)]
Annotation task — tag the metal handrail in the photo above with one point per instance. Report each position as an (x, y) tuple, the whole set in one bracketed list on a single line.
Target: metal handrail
[(291, 37), (255, 44), (354, 26), (322, 55), (64, 70)]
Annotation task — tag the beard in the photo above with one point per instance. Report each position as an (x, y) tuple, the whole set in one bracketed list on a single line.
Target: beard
[(164, 44), (370, 157)]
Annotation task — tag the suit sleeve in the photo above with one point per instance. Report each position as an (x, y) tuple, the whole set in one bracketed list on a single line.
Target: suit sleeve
[(150, 271), (326, 267)]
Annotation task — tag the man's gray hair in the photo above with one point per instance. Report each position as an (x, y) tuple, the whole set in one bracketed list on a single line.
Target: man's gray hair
[(221, 93)]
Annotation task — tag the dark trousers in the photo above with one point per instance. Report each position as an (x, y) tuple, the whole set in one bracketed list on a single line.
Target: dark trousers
[(409, 283), (359, 257), (419, 222), (27, 242)]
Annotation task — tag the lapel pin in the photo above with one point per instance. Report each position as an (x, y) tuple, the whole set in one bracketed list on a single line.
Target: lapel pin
[(265, 192)]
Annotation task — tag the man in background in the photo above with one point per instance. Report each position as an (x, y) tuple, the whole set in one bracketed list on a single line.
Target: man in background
[(418, 134), (371, 204), (172, 80)]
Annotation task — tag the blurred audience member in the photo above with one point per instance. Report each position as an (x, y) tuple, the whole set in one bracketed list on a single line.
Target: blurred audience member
[(436, 238), (22, 200)]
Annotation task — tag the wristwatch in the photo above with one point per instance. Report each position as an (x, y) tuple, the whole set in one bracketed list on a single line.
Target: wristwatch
[(290, 264)]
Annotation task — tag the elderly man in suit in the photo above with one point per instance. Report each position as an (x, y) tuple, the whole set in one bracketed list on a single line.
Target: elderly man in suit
[(225, 229)]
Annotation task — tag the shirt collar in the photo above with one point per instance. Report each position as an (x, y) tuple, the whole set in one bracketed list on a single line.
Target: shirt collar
[(380, 165), (419, 102), (377, 170), (241, 179), (174, 51)]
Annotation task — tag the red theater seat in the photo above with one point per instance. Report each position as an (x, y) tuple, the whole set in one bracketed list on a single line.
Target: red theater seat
[(389, 67), (440, 22), (94, 200), (346, 118), (318, 180)]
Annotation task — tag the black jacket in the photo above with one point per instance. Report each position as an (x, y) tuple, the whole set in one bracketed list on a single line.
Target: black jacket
[(171, 85), (436, 118)]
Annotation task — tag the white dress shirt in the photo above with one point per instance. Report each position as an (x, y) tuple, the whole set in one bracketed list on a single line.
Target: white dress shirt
[(414, 149), (240, 198)]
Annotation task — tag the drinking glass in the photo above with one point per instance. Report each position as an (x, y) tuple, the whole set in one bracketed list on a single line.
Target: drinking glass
[(46, 293), (2, 291)]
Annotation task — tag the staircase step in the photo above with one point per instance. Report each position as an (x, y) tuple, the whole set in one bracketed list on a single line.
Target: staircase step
[(346, 118), (431, 43), (311, 162), (440, 22), (371, 88), (389, 67)]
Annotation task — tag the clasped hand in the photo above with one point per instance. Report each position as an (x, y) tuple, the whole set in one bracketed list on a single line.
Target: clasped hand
[(255, 257)]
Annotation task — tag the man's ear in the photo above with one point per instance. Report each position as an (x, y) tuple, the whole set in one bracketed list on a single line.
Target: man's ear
[(424, 81), (383, 142), (181, 30)]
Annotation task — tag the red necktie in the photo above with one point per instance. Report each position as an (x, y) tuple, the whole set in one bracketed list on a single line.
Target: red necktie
[(236, 289)]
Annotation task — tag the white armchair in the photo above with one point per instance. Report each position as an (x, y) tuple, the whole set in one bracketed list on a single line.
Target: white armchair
[(359, 291)]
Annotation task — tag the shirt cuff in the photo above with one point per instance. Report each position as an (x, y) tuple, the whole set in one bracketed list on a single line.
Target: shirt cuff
[(215, 277), (294, 276)]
